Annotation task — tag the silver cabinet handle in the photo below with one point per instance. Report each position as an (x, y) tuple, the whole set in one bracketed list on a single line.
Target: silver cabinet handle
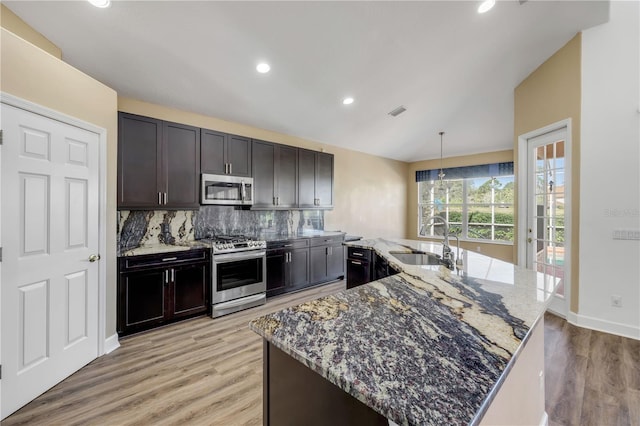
[(230, 168), (166, 276), (159, 197), (355, 253), (167, 259), (277, 201), (166, 198), (288, 245), (356, 262), (274, 201), (173, 275), (94, 257)]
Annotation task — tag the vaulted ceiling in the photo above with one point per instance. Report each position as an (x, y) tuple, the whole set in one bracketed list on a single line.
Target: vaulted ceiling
[(452, 68)]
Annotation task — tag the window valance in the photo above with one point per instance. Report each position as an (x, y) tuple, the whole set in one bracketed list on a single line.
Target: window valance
[(479, 171)]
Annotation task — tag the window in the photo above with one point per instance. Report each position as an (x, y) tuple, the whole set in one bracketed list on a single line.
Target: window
[(476, 208)]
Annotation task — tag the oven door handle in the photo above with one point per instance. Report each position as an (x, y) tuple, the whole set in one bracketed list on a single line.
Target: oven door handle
[(232, 257)]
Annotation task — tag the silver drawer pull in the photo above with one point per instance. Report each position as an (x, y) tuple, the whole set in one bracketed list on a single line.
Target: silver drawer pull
[(355, 253), (167, 259), (288, 245), (356, 262)]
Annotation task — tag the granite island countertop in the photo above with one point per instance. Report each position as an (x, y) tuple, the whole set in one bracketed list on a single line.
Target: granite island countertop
[(426, 346)]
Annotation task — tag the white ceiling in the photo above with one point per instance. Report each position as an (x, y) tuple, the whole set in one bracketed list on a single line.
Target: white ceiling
[(453, 69)]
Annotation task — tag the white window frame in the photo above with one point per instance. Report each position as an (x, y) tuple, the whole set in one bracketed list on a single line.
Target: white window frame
[(464, 235)]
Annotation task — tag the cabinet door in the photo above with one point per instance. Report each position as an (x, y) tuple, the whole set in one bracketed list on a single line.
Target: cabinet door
[(324, 180), (212, 152), (238, 154), (190, 285), (140, 177), (335, 262), (182, 165), (263, 160), (306, 178), (298, 268), (358, 272), (318, 263), (141, 301), (276, 264), (285, 177)]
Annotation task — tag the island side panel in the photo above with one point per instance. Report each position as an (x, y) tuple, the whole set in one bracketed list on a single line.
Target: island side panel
[(296, 395), (520, 399)]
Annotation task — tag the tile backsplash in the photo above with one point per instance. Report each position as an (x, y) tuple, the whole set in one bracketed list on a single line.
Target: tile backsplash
[(142, 227)]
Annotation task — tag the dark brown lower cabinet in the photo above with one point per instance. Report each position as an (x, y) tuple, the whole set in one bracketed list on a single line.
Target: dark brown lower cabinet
[(295, 395), (162, 288), (287, 266)]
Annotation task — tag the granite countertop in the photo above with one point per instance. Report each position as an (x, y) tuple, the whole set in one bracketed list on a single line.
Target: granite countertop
[(426, 346), (163, 248)]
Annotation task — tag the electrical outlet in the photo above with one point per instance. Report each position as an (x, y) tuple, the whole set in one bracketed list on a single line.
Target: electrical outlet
[(616, 301)]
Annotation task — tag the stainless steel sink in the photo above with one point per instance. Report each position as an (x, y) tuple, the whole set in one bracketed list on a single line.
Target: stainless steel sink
[(416, 257)]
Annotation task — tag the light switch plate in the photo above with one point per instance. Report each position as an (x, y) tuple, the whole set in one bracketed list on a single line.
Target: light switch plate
[(626, 234)]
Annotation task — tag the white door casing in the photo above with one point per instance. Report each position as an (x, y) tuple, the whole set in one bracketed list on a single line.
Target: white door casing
[(50, 228), (529, 218)]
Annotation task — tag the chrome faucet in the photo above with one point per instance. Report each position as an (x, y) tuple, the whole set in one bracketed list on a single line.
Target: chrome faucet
[(448, 258)]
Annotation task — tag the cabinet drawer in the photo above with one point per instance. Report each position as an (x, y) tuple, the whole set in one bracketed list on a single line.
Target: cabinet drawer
[(170, 258), (321, 241), (288, 244), (359, 253)]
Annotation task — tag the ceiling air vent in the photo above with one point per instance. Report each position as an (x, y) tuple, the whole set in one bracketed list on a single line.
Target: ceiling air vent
[(396, 112)]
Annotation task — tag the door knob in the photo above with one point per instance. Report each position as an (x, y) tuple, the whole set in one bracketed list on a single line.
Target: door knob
[(94, 257)]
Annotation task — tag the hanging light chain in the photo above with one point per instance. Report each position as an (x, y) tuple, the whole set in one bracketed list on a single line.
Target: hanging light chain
[(441, 174)]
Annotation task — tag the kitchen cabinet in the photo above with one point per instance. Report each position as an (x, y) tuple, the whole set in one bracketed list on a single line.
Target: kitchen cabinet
[(275, 169), (224, 154), (327, 259), (287, 266), (158, 164), (315, 179), (157, 289), (359, 266)]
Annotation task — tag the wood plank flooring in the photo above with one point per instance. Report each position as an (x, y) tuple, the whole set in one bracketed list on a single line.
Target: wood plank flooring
[(592, 378), (209, 372)]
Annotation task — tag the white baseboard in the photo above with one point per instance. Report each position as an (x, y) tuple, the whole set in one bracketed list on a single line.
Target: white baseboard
[(111, 343), (605, 326), (544, 421)]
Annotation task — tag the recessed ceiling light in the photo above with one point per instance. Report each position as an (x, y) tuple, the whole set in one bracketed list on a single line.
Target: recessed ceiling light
[(263, 68), (486, 6), (347, 101), (100, 3)]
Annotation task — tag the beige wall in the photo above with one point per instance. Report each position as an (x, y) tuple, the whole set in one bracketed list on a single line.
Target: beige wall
[(500, 251), (370, 192), (550, 94), (33, 74), (13, 23)]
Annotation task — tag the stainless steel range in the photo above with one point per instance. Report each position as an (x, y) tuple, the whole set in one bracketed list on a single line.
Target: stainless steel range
[(238, 273)]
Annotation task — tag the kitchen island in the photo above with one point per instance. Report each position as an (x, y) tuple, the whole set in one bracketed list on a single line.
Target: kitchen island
[(426, 346)]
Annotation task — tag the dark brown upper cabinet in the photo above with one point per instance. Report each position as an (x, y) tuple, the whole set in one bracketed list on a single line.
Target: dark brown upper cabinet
[(315, 179), (225, 154), (275, 169), (158, 164)]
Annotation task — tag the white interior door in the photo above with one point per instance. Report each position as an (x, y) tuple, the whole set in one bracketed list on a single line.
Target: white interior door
[(50, 212), (548, 214)]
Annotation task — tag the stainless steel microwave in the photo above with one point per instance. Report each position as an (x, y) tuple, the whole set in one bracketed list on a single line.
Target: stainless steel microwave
[(226, 190)]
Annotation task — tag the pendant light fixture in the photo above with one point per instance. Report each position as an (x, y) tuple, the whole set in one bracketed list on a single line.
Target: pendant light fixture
[(441, 174)]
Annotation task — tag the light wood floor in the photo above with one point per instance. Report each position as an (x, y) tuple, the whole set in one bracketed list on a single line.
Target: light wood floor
[(592, 378), (209, 372)]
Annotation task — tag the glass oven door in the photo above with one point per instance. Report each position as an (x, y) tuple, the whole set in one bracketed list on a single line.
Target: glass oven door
[(238, 275)]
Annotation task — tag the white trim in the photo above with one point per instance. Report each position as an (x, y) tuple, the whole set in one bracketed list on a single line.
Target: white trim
[(544, 421), (8, 99), (604, 326), (111, 343), (522, 200)]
